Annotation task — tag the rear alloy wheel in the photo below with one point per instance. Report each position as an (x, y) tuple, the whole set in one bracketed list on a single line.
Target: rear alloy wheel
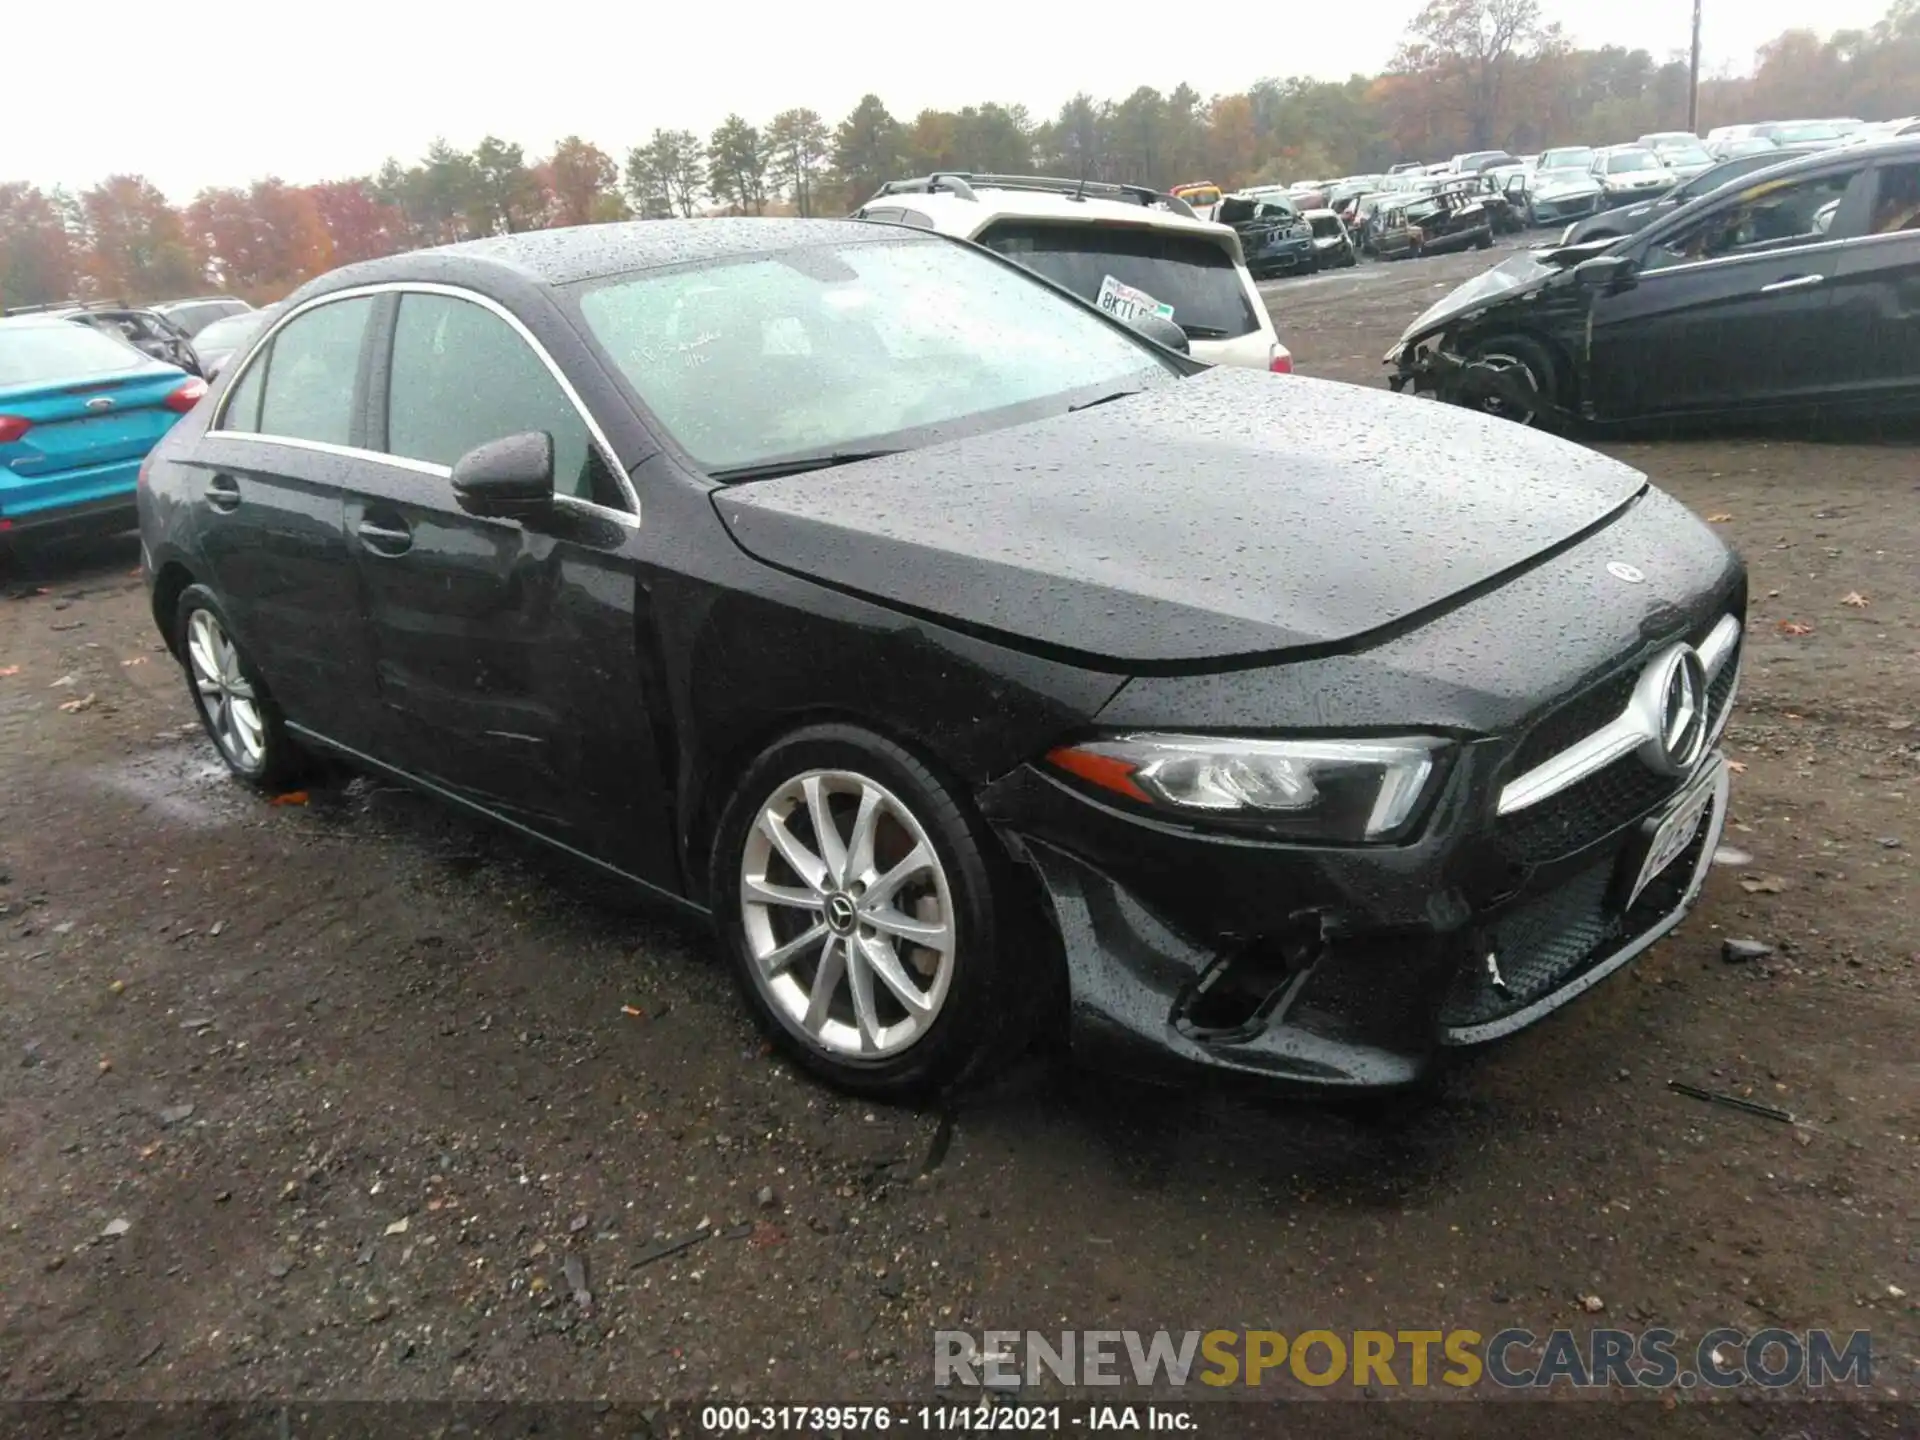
[(857, 901), (229, 696)]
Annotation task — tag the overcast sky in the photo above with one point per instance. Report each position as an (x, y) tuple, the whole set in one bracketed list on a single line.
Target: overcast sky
[(325, 90)]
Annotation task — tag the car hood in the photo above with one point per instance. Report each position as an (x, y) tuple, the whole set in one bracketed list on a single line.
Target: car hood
[(1230, 517), (1518, 273)]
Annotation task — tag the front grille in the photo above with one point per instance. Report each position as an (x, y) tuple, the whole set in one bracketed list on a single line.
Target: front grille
[(1584, 812), (1594, 807), (1543, 943), (1722, 686), (1574, 721)]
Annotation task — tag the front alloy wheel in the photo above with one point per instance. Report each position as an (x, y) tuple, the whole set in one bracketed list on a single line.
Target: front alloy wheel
[(848, 914), (873, 921)]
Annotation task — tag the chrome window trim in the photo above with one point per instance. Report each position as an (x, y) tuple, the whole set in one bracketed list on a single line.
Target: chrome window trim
[(345, 452), (457, 292), (1633, 727)]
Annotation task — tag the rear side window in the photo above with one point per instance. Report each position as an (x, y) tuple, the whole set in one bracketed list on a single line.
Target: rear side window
[(1897, 205), (30, 353), (1195, 276), (462, 376), (243, 408), (307, 390)]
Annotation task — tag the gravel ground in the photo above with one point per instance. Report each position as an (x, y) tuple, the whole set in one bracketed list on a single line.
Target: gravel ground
[(356, 1099)]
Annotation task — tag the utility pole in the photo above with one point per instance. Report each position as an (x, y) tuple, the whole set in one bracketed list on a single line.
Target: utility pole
[(1693, 75)]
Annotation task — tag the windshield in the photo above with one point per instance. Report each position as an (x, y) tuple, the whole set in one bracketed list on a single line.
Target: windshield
[(1801, 133), (1326, 225), (1579, 158), (46, 353), (1194, 275), (229, 331), (195, 316), (1628, 160), (826, 348), (1683, 152)]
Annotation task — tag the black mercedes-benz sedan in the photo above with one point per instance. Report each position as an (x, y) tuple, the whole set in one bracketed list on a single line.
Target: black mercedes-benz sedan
[(975, 664)]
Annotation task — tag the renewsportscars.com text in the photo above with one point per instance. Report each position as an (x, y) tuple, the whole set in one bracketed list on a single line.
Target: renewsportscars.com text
[(1405, 1359)]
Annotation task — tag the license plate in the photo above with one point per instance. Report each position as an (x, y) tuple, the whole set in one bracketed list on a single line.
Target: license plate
[(1674, 834)]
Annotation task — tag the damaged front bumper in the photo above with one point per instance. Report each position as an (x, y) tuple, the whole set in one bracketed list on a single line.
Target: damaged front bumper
[(1428, 369), (1337, 970)]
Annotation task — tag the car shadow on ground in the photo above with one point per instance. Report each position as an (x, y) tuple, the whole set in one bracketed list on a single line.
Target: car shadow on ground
[(67, 565), (1267, 1148)]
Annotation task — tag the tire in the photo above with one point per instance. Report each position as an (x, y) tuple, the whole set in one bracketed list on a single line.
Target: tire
[(232, 701), (768, 889), (1484, 240), (1539, 372)]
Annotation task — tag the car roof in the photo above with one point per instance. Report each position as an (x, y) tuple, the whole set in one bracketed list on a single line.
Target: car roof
[(39, 321), (956, 215), (1809, 162), (586, 252)]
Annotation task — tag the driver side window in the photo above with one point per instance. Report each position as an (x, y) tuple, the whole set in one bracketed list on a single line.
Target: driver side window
[(1781, 215)]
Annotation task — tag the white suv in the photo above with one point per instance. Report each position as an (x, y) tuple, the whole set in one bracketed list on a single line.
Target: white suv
[(1115, 246)]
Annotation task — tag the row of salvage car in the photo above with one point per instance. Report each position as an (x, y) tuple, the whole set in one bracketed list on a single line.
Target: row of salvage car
[(1791, 290)]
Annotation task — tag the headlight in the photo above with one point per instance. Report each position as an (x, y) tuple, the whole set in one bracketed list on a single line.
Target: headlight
[(1347, 791)]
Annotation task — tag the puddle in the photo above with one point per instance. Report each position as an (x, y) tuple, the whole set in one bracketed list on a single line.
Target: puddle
[(184, 784)]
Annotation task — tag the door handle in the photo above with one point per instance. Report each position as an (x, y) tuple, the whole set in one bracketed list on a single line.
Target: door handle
[(223, 493), (1792, 282), (385, 539)]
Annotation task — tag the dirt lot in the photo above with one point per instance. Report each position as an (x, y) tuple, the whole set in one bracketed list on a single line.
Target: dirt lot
[(359, 1083)]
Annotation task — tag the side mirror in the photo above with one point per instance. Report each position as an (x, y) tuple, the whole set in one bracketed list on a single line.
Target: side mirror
[(510, 478), (1162, 331), (1605, 273)]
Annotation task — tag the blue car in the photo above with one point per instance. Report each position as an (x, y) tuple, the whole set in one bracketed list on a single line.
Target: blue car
[(79, 410)]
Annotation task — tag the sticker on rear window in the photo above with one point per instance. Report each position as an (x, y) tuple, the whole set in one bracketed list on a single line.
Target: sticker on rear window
[(1128, 304)]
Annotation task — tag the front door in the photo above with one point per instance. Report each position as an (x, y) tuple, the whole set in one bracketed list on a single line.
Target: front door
[(1731, 311), (268, 478), (504, 651)]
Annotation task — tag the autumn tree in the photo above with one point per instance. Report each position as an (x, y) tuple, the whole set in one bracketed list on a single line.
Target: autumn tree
[(138, 245), (737, 167), (995, 139), (667, 174), (1138, 136), (360, 226), (502, 195), (796, 152), (36, 249), (583, 178), (1467, 51), (1077, 144), (869, 148), (435, 197)]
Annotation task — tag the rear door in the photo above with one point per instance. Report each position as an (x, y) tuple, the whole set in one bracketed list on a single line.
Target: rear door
[(1876, 294), (504, 651), (1732, 308), (267, 486)]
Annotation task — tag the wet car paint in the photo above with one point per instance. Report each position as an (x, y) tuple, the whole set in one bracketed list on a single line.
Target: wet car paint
[(1065, 535), (599, 679)]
